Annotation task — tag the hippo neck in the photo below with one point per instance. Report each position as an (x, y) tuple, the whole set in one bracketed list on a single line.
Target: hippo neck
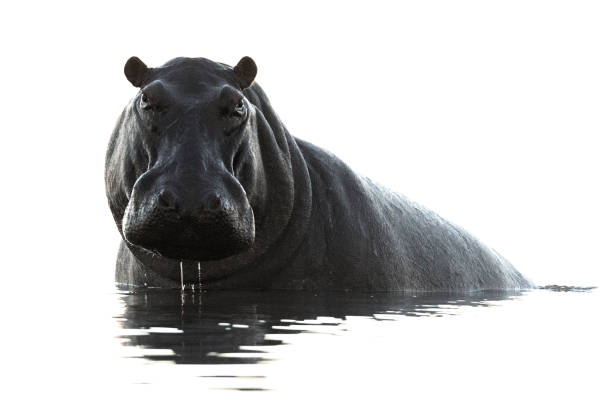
[(282, 227)]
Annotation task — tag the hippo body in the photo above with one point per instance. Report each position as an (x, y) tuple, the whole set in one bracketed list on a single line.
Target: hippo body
[(289, 215)]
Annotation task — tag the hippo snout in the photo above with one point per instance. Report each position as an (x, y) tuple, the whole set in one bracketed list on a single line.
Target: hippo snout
[(190, 222)]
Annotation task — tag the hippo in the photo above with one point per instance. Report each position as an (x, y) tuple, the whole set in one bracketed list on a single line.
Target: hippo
[(210, 190)]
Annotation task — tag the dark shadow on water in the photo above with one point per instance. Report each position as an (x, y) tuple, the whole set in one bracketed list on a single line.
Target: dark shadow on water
[(564, 288), (212, 324)]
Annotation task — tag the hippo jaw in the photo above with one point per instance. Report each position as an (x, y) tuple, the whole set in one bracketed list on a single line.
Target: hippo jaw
[(201, 252)]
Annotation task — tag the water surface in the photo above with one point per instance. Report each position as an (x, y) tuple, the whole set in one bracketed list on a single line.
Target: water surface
[(465, 349)]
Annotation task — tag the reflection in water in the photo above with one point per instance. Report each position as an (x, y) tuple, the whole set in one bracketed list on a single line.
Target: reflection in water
[(220, 327)]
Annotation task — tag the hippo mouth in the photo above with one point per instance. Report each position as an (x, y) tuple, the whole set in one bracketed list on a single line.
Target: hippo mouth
[(210, 248), (196, 253)]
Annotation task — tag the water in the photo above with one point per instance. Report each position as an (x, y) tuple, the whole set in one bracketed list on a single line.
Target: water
[(548, 346), (100, 346)]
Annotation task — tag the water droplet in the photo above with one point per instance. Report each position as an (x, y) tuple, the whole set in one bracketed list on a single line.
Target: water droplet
[(199, 276), (182, 282)]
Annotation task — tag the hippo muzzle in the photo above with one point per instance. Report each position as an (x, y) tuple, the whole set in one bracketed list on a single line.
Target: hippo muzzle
[(206, 219)]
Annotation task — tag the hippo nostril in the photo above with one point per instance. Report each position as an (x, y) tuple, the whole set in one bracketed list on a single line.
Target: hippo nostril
[(167, 200), (212, 202)]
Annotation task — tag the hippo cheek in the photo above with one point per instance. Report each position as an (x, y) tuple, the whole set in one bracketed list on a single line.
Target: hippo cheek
[(218, 229)]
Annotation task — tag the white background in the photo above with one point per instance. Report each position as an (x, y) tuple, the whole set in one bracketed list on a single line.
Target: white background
[(497, 115)]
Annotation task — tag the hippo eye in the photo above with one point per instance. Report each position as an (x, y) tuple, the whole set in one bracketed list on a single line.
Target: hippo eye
[(145, 102), (239, 109)]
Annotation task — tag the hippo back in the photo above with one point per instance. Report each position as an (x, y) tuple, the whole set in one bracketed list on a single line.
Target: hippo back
[(380, 240)]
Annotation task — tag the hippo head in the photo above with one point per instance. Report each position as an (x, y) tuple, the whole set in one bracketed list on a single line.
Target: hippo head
[(182, 174)]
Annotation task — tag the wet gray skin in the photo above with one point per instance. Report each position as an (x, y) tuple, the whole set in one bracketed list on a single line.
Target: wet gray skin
[(208, 187)]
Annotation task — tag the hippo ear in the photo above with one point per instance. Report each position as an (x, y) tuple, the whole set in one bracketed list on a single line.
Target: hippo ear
[(245, 71), (135, 71)]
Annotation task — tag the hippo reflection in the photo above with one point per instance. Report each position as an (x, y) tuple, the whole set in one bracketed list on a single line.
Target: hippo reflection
[(215, 324)]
